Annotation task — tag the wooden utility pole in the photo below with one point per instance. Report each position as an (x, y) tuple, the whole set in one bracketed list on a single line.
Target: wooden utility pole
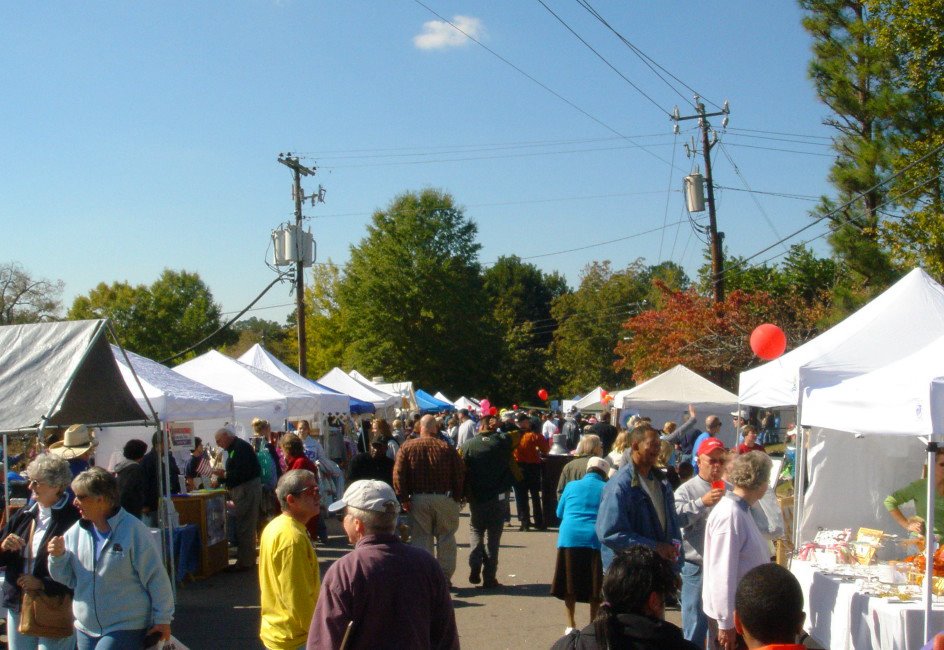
[(298, 170), (714, 237)]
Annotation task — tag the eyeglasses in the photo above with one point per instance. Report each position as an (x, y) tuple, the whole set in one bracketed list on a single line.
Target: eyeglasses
[(312, 489)]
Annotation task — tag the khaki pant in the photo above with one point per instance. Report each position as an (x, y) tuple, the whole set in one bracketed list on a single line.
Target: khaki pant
[(247, 498), (436, 516)]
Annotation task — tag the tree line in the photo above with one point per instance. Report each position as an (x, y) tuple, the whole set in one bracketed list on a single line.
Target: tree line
[(415, 302)]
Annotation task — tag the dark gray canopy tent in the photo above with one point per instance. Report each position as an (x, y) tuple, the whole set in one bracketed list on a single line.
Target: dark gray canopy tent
[(59, 374)]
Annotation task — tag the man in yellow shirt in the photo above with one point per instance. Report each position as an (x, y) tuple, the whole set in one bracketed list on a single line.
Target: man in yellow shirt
[(288, 567)]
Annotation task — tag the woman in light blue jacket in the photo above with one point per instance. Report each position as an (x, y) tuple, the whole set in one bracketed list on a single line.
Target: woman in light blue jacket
[(578, 575), (122, 592)]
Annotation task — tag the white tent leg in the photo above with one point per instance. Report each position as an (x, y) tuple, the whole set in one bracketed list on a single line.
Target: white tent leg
[(799, 483), (931, 542)]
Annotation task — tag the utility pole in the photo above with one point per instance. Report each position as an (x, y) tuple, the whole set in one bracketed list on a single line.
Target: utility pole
[(715, 237), (299, 170)]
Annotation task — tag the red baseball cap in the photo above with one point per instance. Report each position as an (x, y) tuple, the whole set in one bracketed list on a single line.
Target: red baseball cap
[(708, 445)]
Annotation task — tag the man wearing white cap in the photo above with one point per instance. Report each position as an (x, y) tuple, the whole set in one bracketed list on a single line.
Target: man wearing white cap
[(353, 608)]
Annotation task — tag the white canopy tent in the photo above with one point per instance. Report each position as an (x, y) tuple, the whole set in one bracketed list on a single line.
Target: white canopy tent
[(402, 389), (255, 393), (328, 400), (466, 403), (592, 401), (342, 382), (443, 398), (916, 300), (174, 397), (666, 397), (866, 401)]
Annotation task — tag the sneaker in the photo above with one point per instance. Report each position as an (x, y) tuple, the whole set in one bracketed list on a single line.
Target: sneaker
[(490, 584), (475, 576)]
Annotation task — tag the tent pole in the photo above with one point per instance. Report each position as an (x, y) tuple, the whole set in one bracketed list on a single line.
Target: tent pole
[(799, 480), (134, 373), (167, 530), (930, 537), (6, 480)]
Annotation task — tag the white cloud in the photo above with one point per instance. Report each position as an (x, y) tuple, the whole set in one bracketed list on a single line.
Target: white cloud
[(438, 34)]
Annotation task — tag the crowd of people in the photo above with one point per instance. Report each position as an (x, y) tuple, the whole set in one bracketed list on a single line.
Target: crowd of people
[(647, 516)]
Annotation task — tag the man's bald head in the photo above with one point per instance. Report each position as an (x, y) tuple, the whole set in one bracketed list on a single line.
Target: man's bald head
[(428, 426)]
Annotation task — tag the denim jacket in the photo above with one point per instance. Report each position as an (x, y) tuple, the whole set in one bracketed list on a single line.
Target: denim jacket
[(627, 516)]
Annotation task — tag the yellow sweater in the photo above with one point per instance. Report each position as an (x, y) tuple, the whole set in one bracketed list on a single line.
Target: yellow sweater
[(289, 581)]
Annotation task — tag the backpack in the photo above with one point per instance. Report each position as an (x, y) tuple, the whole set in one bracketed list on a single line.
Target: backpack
[(268, 475)]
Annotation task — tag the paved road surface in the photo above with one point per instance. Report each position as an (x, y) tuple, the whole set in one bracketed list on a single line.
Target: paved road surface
[(223, 611)]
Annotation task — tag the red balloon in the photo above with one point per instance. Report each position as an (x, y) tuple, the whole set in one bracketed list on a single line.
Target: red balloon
[(768, 341), (514, 407), (493, 410), (542, 394)]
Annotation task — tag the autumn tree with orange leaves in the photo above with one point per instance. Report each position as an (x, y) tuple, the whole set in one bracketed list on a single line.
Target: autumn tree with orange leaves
[(710, 338)]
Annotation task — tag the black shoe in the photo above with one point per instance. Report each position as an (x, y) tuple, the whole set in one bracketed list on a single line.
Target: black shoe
[(491, 583), (475, 576), (524, 528)]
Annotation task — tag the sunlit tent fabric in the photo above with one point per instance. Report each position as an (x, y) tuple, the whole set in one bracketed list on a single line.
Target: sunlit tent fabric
[(63, 371), (429, 404), (173, 396), (342, 382), (666, 397), (466, 403), (328, 400), (402, 388), (592, 401), (442, 398), (255, 392), (916, 298)]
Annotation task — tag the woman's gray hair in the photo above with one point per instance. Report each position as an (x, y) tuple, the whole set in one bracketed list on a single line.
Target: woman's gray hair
[(751, 470), (51, 470), (293, 482), (376, 522), (588, 443), (97, 482)]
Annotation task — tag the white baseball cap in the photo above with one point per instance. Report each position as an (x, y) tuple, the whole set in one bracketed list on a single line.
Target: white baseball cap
[(598, 463), (367, 494)]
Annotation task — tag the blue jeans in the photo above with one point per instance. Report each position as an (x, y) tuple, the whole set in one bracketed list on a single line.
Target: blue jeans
[(19, 641), (694, 621), (117, 640)]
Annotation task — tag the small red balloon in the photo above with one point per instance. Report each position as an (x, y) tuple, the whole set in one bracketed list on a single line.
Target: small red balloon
[(514, 407), (493, 411), (768, 341), (542, 394)]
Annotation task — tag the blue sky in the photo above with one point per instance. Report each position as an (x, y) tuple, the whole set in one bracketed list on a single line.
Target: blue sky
[(139, 136)]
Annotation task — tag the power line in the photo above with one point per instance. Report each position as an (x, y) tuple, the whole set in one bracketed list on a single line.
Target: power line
[(645, 58), (235, 318), (806, 153), (668, 195), (603, 58), (603, 243), (800, 135), (534, 79), (760, 208)]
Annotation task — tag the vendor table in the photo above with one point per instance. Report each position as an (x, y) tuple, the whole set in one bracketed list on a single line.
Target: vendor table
[(186, 548), (207, 510), (840, 617)]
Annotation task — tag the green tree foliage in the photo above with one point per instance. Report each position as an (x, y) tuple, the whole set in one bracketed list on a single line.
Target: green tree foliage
[(412, 296), (852, 76), (324, 322), (273, 337), (25, 299), (911, 34), (175, 312), (520, 298), (590, 325)]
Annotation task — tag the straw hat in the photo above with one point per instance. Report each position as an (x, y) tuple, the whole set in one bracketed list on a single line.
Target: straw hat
[(77, 440)]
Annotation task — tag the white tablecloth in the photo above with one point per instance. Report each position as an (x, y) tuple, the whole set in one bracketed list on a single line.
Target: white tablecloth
[(839, 617)]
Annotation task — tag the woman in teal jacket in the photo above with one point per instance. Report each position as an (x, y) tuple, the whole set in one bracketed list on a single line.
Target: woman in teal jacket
[(578, 575), (122, 592)]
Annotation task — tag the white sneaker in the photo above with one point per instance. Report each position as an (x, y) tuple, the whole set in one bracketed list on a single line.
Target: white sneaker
[(568, 630)]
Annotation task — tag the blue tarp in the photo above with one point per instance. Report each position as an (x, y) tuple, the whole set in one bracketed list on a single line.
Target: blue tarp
[(429, 404)]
